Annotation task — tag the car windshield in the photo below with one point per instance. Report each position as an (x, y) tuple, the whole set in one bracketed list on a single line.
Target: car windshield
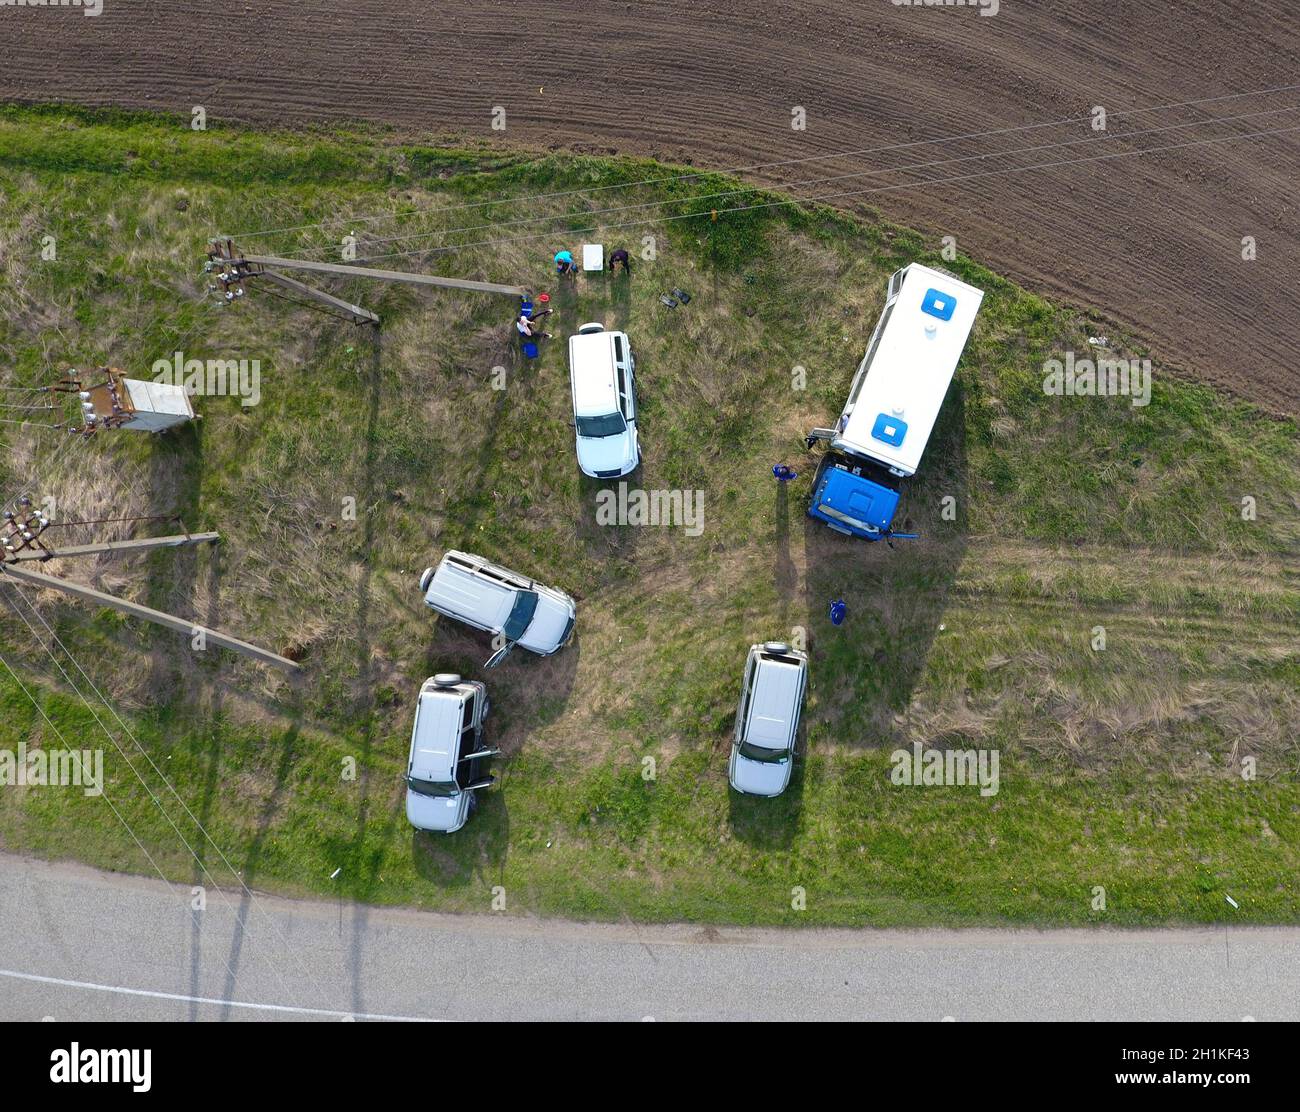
[(441, 789), (758, 753), (610, 424), (524, 609)]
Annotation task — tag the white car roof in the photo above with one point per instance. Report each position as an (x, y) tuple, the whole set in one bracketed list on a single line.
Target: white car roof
[(458, 590), (435, 736), (911, 367), (591, 373), (774, 701)]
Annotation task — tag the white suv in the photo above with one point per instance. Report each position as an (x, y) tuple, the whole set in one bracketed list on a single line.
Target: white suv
[(767, 720), (445, 766), (492, 598), (601, 377)]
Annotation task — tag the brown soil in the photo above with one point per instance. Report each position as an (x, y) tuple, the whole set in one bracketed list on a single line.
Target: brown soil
[(1153, 242)]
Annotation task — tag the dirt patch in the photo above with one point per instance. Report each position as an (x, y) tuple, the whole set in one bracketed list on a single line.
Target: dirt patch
[(1154, 241)]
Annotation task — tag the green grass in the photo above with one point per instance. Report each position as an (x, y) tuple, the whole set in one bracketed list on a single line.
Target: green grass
[(1119, 768)]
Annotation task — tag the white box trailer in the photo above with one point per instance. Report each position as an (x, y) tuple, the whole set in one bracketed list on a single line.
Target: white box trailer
[(894, 401), (903, 378)]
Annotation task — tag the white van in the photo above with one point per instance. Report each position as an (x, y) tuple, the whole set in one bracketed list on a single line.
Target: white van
[(904, 376), (444, 769), (601, 377), (767, 719), (893, 403), (499, 601)]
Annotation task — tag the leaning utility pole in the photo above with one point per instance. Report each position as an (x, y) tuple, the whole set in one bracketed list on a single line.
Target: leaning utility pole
[(232, 269), (21, 540)]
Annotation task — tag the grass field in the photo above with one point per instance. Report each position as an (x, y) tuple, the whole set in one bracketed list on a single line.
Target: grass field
[(1121, 768)]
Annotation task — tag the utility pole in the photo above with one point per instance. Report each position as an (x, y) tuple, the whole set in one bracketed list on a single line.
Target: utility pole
[(21, 539), (233, 270)]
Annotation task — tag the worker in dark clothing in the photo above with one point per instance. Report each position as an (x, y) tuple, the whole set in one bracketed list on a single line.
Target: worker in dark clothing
[(620, 257)]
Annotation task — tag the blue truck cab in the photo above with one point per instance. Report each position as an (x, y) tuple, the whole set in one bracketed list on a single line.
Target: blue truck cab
[(894, 401), (854, 496)]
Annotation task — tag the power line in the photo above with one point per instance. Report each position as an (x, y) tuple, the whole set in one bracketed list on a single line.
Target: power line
[(783, 162), (906, 168), (104, 794), (143, 752), (785, 202), (31, 425), (26, 486)]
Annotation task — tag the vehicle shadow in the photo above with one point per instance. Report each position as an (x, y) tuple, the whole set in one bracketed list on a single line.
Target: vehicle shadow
[(769, 824), (773, 823), (526, 690), (473, 856), (596, 525), (864, 672)]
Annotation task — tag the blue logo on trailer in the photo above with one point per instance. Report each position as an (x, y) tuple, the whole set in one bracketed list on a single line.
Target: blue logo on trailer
[(939, 304), (889, 430)]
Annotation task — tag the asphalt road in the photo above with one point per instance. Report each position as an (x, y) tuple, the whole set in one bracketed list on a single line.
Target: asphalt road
[(87, 945)]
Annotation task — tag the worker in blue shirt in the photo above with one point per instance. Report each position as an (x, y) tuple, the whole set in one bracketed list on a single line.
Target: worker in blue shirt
[(564, 263)]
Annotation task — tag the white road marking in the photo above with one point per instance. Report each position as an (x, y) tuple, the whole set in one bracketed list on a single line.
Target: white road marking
[(209, 999)]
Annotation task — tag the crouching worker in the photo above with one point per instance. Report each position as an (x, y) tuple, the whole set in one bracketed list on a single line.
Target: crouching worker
[(620, 258), (564, 264), (528, 326)]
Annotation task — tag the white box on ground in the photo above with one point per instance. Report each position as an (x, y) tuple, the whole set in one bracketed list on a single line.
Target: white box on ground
[(156, 405), (593, 256)]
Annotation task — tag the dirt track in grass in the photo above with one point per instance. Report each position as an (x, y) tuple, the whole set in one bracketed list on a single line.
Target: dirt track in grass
[(1153, 241)]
